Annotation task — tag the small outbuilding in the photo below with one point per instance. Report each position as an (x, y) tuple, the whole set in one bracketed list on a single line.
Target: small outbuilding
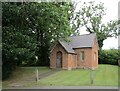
[(80, 52)]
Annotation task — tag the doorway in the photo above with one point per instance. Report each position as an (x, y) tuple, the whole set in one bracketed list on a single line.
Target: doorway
[(59, 59)]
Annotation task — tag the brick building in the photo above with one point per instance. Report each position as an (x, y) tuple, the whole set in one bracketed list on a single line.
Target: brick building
[(80, 52)]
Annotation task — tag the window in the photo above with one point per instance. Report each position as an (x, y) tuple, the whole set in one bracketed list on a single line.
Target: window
[(82, 55), (95, 56)]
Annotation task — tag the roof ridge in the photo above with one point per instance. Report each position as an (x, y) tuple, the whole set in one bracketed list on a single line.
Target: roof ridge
[(82, 35), (78, 42)]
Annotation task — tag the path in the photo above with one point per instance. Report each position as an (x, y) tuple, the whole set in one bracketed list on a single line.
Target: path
[(30, 79), (46, 74)]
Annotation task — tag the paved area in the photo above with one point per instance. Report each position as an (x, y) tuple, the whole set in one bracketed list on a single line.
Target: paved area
[(69, 87), (77, 87)]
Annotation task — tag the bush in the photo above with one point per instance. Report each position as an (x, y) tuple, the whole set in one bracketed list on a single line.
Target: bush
[(109, 56)]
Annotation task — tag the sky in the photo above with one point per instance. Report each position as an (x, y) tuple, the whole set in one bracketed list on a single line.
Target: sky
[(111, 14)]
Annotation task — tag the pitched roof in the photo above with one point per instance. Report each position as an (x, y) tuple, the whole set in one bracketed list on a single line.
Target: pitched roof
[(80, 41), (67, 46)]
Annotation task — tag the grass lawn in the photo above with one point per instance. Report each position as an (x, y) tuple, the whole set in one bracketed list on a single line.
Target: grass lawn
[(105, 75), (22, 76)]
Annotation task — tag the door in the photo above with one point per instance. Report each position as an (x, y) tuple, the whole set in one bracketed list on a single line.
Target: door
[(59, 59)]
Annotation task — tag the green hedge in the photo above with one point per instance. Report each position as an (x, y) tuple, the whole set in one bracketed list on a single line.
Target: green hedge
[(109, 56)]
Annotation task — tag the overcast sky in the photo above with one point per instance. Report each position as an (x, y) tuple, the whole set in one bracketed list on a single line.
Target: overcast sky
[(111, 14)]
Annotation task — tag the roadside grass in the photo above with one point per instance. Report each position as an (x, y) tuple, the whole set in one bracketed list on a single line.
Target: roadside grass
[(22, 76), (105, 75)]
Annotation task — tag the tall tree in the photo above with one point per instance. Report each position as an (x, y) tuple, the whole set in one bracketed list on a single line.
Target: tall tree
[(90, 16), (18, 45), (53, 23), (29, 29)]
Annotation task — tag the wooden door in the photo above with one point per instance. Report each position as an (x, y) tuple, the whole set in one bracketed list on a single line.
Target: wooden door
[(59, 60)]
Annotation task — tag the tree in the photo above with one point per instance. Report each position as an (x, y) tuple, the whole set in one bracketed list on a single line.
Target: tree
[(52, 24), (17, 44), (90, 16), (29, 29)]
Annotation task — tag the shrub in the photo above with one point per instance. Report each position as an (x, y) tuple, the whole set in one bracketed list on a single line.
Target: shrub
[(109, 56)]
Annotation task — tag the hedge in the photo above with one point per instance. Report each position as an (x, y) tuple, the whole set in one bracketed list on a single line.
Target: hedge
[(109, 56)]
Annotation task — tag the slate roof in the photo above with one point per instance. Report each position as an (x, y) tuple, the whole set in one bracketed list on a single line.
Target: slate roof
[(68, 47), (80, 41)]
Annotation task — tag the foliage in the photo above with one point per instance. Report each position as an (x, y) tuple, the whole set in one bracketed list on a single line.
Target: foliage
[(29, 29), (90, 16), (109, 57), (17, 44)]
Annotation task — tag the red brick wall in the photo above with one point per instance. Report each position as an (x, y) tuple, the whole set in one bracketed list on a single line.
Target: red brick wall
[(87, 57), (70, 61), (89, 60), (95, 59), (53, 56), (65, 57)]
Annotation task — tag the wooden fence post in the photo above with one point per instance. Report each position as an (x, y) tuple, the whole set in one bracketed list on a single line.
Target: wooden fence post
[(91, 76), (37, 74), (118, 61)]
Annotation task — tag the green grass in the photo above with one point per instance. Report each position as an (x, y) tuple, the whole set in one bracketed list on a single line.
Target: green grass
[(105, 75), (22, 76)]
